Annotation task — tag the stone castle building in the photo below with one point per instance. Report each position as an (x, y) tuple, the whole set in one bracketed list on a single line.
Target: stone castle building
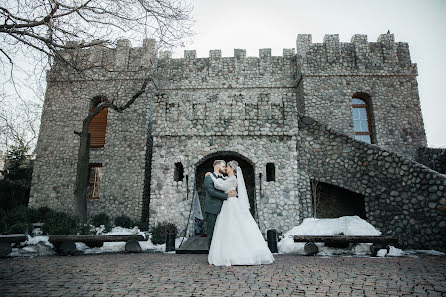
[(341, 116)]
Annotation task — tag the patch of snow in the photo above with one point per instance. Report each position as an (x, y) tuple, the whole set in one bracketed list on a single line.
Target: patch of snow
[(362, 249), (347, 225), (34, 246), (381, 253), (395, 252), (431, 252), (39, 239)]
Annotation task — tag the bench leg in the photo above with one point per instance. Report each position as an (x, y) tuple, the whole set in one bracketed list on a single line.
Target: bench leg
[(311, 249), (374, 248), (5, 249), (66, 248)]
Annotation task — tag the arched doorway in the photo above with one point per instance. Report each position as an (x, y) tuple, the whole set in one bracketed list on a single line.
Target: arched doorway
[(205, 165)]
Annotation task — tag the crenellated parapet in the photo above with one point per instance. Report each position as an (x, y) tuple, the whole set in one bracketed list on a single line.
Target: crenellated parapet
[(237, 71), (359, 57), (331, 57), (215, 71), (102, 62)]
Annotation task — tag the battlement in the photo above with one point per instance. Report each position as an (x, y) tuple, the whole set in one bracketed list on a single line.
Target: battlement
[(214, 71), (331, 57), (359, 57), (124, 55)]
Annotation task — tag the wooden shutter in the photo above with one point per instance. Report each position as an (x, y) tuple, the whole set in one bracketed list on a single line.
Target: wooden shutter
[(97, 129)]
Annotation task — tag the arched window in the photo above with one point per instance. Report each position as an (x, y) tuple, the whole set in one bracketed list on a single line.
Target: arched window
[(361, 118), (98, 126)]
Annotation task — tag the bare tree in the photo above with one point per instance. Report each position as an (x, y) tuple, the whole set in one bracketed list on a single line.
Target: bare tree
[(42, 30), (46, 26)]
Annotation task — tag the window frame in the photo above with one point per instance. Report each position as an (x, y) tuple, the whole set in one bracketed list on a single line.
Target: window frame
[(369, 118), (95, 102), (93, 165)]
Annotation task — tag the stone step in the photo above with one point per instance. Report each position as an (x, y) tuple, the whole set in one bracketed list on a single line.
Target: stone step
[(194, 245)]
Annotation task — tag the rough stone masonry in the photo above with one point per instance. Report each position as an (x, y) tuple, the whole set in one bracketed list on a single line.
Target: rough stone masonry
[(289, 119)]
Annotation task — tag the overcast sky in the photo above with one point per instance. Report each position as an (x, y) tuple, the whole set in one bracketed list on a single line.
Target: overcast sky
[(274, 24)]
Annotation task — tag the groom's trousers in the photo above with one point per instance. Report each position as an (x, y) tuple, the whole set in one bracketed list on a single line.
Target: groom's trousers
[(210, 224)]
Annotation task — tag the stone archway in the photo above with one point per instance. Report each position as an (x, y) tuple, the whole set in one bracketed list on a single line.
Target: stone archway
[(247, 166)]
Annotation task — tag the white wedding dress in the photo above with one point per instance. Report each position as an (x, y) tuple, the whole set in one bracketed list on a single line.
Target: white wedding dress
[(237, 239)]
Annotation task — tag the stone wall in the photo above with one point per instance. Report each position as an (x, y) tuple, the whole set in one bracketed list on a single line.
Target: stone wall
[(434, 158), (245, 106), (332, 72), (278, 204), (402, 197), (68, 99)]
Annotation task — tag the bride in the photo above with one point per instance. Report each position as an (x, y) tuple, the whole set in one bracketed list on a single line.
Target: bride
[(237, 239)]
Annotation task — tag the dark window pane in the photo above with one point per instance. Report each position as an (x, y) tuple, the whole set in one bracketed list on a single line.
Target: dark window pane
[(178, 174), (270, 172)]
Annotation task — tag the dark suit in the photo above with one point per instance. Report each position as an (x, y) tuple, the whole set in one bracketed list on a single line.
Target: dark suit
[(214, 201)]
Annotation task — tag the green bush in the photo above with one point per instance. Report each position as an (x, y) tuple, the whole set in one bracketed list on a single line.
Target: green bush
[(17, 215), (59, 223), (19, 228), (124, 221), (33, 215), (101, 219), (159, 232), (141, 225), (108, 228), (3, 225), (43, 213), (20, 219), (85, 229)]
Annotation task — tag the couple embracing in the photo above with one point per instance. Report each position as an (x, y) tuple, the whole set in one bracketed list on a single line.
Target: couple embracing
[(233, 236)]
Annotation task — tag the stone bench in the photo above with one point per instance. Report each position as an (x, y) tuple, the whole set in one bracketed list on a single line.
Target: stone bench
[(6, 240), (378, 242), (65, 244)]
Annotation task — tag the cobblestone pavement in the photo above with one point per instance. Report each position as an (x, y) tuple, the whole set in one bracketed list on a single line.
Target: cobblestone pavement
[(158, 274)]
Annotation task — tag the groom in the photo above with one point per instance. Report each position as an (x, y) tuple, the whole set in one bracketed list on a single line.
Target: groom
[(214, 198)]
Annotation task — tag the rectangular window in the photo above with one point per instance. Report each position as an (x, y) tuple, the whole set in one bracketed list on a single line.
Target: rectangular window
[(94, 181), (178, 174), (361, 120), (270, 172)]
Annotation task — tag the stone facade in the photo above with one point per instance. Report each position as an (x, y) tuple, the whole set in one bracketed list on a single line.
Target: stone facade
[(434, 158), (402, 197), (252, 109), (333, 71)]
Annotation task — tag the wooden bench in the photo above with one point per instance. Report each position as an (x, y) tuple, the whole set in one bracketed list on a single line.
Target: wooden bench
[(95, 240), (378, 242), (6, 240), (64, 244), (12, 238)]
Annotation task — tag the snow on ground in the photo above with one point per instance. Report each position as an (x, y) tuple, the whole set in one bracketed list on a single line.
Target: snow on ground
[(40, 246), (348, 225)]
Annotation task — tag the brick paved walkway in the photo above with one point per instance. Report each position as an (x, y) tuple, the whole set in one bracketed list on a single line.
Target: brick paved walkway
[(157, 274)]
